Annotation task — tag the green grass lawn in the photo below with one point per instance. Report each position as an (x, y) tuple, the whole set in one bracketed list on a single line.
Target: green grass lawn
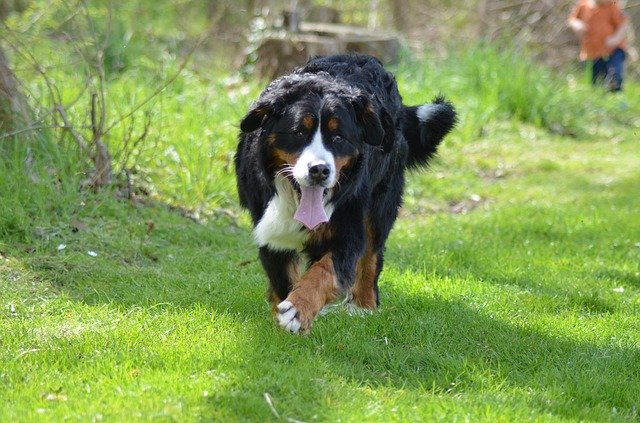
[(511, 289), (523, 307)]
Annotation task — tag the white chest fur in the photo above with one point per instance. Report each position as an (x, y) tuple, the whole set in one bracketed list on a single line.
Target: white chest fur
[(277, 228)]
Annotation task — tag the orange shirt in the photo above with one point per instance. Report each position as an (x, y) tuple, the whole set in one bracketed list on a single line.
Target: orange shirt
[(601, 21)]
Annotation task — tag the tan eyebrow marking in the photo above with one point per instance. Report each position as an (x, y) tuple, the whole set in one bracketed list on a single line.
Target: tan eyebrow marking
[(308, 121), (332, 124)]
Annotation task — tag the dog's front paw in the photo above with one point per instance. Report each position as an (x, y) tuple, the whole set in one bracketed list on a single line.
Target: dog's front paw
[(293, 318), (287, 316)]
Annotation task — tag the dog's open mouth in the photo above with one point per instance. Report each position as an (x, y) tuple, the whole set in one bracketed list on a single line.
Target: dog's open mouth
[(310, 210)]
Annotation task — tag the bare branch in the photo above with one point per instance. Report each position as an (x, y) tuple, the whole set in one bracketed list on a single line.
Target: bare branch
[(82, 144), (128, 151), (127, 173), (37, 128), (94, 126)]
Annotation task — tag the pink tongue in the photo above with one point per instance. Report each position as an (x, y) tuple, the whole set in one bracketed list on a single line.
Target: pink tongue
[(311, 210)]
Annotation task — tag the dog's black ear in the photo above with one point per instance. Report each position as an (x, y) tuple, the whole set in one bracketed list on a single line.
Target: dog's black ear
[(272, 103), (255, 118), (378, 127)]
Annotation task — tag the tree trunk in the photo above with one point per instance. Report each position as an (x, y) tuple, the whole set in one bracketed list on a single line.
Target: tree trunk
[(14, 112), (400, 11), (482, 19)]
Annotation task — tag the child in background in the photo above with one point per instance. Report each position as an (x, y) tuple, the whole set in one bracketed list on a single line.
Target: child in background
[(601, 26)]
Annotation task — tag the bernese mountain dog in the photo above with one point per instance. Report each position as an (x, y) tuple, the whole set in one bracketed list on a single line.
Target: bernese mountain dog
[(320, 167)]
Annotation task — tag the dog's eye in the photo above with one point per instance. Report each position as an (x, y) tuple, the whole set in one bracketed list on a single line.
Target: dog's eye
[(299, 134), (337, 138)]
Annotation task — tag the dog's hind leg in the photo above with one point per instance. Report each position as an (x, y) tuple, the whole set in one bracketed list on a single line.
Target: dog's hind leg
[(364, 293)]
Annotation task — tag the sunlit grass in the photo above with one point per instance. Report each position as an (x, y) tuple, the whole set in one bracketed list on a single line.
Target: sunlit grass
[(511, 289)]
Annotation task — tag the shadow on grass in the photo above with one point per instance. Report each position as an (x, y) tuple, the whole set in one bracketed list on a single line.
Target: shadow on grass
[(432, 348)]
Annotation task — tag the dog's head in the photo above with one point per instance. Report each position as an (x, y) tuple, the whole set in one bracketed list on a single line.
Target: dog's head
[(314, 130)]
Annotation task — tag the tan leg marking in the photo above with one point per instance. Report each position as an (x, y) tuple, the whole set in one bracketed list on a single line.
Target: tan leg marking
[(363, 292), (317, 287)]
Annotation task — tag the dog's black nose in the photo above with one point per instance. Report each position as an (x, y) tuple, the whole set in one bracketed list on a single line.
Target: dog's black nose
[(319, 172)]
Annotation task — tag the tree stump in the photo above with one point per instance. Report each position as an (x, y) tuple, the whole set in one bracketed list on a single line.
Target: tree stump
[(281, 52)]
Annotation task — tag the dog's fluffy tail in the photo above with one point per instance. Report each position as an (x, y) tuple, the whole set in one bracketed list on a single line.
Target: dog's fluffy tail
[(424, 127)]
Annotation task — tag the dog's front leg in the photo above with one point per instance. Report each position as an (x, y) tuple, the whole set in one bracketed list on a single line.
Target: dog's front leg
[(328, 277), (334, 253), (317, 287), (282, 269)]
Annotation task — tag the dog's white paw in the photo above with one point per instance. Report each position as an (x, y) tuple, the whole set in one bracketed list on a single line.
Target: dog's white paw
[(288, 316)]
